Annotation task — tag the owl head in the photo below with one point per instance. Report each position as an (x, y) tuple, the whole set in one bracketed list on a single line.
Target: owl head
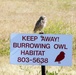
[(62, 53), (42, 18)]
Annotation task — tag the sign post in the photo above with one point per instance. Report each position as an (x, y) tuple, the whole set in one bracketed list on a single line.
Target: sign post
[(41, 49), (43, 68), (43, 71)]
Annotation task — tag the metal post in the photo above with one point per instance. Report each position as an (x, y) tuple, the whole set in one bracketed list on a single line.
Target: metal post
[(43, 72)]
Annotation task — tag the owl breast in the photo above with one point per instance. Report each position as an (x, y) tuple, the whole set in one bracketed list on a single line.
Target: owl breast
[(43, 23)]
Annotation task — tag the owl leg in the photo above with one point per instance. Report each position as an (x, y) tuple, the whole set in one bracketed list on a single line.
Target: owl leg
[(41, 32)]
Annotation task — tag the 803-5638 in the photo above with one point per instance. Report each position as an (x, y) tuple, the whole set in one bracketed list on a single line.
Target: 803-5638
[(33, 60)]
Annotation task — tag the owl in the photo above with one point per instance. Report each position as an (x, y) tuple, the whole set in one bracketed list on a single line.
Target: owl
[(60, 57), (40, 24)]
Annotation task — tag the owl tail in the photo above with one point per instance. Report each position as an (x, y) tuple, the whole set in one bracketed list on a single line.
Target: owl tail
[(34, 31)]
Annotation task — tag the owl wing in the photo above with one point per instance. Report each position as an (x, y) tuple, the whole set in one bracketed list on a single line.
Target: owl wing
[(37, 25), (59, 57)]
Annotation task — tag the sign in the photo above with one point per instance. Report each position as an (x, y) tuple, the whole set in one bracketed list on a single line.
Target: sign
[(41, 49)]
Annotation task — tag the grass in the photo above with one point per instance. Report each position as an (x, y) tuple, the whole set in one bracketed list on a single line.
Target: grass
[(58, 27), (52, 73), (4, 47), (20, 16)]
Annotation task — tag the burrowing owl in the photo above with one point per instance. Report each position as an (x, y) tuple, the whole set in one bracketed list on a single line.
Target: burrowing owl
[(40, 24)]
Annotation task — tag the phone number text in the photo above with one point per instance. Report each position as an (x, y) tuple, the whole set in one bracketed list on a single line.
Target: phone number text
[(34, 60)]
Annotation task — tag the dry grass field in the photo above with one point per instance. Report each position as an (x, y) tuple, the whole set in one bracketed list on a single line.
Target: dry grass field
[(20, 16)]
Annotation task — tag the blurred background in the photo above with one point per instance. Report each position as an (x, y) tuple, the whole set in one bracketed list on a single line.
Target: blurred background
[(20, 16)]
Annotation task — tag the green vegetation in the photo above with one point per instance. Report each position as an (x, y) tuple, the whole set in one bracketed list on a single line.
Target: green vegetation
[(58, 27), (4, 47), (52, 73)]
